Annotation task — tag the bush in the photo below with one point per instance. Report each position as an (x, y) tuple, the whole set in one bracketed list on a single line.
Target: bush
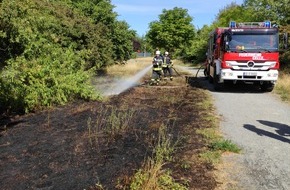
[(44, 82), (285, 62), (49, 53)]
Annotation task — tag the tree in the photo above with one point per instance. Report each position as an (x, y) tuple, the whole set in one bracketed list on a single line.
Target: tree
[(196, 53), (233, 12), (118, 32), (122, 39), (173, 32), (275, 11)]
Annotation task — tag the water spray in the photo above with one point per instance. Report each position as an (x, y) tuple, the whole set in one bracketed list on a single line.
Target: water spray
[(122, 85)]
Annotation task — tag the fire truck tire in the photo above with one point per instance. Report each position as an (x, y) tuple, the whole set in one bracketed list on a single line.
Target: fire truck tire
[(210, 79), (267, 87)]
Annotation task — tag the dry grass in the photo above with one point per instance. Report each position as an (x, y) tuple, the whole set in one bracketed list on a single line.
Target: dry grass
[(283, 87), (133, 66), (178, 62), (130, 68)]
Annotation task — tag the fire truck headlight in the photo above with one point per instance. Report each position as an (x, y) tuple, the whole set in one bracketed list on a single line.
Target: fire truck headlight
[(227, 74), (272, 75), (273, 64), (228, 64)]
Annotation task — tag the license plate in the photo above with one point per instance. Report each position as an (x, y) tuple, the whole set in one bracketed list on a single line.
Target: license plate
[(250, 73)]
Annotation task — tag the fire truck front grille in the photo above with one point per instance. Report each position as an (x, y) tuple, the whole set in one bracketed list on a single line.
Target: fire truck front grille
[(255, 66), (250, 65), (249, 77)]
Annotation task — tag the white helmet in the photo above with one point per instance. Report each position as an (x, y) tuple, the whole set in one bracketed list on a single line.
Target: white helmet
[(157, 52), (166, 53)]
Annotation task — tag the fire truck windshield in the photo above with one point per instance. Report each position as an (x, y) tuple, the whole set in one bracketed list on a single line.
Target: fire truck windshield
[(253, 42)]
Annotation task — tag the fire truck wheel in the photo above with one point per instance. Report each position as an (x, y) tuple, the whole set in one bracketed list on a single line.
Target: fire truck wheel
[(210, 79), (267, 87)]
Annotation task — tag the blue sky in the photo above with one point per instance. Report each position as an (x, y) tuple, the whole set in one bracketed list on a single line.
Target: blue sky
[(138, 14)]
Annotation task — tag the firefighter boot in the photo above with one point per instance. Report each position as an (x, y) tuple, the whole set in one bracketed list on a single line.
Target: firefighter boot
[(152, 82), (157, 81)]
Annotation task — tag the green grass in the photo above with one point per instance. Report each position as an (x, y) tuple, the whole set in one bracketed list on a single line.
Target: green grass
[(211, 156), (224, 146)]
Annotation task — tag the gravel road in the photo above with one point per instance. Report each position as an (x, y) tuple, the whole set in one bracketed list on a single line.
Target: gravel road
[(259, 123)]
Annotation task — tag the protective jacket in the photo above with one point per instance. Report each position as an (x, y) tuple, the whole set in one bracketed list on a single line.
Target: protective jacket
[(167, 62), (157, 63)]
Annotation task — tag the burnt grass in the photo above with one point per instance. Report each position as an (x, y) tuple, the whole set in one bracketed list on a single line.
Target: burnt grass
[(71, 147)]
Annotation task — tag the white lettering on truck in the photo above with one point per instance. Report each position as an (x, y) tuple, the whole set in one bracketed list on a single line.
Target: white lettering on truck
[(255, 56)]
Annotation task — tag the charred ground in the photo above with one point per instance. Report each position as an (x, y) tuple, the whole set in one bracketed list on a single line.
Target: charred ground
[(71, 147)]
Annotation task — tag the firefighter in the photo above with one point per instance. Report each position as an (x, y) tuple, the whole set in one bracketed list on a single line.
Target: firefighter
[(167, 66), (157, 68)]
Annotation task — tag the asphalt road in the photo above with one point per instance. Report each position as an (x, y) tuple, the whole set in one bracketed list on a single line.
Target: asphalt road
[(259, 123)]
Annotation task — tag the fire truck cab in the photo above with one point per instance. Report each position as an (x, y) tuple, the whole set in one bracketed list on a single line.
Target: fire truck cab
[(244, 52)]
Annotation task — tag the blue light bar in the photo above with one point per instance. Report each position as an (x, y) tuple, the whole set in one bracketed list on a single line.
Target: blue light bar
[(267, 24), (233, 24)]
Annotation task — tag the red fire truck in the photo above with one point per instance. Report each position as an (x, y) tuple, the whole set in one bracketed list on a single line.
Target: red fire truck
[(244, 52)]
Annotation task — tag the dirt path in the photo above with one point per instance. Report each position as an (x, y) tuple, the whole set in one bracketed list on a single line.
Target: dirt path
[(260, 124)]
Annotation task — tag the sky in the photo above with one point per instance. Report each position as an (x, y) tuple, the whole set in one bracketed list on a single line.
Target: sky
[(138, 14)]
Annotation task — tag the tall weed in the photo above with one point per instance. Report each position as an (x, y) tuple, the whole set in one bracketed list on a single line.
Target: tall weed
[(152, 175), (109, 123)]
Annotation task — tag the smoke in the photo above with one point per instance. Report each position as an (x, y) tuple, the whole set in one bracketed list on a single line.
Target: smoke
[(117, 86)]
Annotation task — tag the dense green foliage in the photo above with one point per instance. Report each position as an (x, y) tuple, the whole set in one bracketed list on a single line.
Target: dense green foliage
[(276, 11), (50, 49), (233, 12), (196, 52), (118, 32)]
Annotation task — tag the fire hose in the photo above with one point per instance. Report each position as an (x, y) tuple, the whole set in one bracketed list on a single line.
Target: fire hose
[(196, 72), (175, 71)]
